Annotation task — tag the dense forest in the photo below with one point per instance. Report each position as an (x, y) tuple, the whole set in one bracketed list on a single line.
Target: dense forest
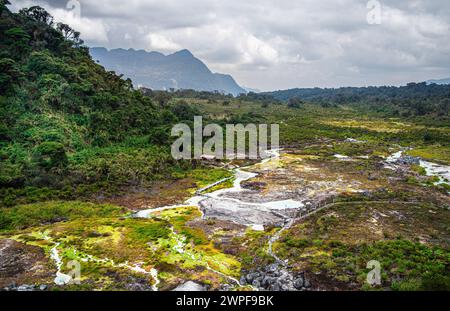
[(66, 121), (414, 99)]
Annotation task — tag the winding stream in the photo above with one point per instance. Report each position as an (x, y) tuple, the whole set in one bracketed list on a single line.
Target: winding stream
[(224, 204), (61, 278)]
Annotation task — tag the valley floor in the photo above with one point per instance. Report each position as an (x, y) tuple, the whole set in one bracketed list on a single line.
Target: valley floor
[(311, 217), (296, 221)]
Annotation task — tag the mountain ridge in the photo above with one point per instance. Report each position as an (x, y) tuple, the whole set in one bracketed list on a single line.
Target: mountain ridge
[(439, 81), (179, 70)]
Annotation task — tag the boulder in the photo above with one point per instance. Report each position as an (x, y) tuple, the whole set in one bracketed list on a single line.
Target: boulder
[(253, 185), (275, 287), (190, 286), (298, 283), (251, 276), (25, 288), (256, 283)]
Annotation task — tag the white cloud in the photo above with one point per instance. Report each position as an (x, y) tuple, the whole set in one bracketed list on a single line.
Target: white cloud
[(90, 29), (161, 43), (270, 45), (256, 51)]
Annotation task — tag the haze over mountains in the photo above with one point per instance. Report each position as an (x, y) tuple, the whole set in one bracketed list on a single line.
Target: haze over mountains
[(439, 81), (154, 70)]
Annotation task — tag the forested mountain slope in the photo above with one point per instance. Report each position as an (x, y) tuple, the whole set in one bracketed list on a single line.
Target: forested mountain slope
[(65, 120)]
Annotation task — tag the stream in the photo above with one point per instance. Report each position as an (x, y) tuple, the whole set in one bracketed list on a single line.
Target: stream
[(226, 204), (431, 169)]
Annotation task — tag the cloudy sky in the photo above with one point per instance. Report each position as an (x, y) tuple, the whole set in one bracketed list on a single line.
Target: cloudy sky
[(277, 44)]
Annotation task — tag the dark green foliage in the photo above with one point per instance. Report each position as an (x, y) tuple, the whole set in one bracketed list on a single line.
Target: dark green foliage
[(66, 121), (414, 99), (405, 265), (259, 97), (3, 4), (50, 154), (9, 73), (294, 103), (38, 14)]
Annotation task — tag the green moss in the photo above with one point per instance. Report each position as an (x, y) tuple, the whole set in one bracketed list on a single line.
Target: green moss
[(206, 176), (439, 153), (224, 185), (419, 169), (24, 216), (151, 231)]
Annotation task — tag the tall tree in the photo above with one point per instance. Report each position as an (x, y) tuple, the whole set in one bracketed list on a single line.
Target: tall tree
[(38, 14), (3, 4)]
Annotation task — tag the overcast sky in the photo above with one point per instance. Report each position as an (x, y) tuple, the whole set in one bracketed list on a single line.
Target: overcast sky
[(277, 44)]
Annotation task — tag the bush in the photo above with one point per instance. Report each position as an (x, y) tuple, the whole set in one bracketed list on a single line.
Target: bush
[(50, 154)]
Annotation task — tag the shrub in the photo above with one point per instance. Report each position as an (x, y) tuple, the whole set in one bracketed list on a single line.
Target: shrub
[(152, 231), (50, 154)]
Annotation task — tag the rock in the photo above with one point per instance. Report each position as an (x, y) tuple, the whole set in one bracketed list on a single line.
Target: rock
[(25, 288), (307, 284), (272, 268), (276, 277), (243, 280), (189, 286), (267, 281), (94, 234), (251, 276), (277, 273), (253, 185), (43, 287), (409, 160), (275, 287), (298, 283), (21, 264), (256, 283)]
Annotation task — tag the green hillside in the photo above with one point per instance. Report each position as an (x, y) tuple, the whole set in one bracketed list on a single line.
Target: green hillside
[(67, 121)]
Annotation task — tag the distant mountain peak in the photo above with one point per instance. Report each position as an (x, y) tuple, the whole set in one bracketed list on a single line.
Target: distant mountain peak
[(184, 52), (180, 70)]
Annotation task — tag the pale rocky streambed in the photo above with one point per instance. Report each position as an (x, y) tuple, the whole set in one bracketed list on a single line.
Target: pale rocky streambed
[(245, 207), (237, 205)]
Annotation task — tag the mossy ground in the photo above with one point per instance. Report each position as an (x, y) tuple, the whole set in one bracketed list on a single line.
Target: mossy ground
[(410, 240), (107, 242)]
